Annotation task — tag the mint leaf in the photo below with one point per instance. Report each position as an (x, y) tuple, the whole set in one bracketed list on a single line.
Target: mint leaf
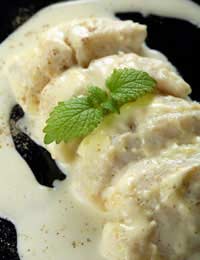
[(110, 106), (81, 115), (96, 96), (71, 119), (129, 84)]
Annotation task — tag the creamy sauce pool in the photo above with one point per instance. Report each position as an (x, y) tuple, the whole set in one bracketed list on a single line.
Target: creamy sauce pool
[(50, 223)]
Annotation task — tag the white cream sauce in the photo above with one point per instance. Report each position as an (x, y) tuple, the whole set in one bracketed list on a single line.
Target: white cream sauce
[(50, 223)]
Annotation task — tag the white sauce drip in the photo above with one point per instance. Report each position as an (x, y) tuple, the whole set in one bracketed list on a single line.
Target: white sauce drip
[(49, 222)]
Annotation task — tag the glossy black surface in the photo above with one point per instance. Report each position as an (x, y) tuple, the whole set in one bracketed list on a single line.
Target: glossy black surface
[(39, 159), (8, 238), (179, 40)]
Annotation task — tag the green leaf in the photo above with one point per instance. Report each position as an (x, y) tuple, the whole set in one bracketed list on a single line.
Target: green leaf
[(79, 116), (110, 106), (72, 119), (129, 84), (96, 96)]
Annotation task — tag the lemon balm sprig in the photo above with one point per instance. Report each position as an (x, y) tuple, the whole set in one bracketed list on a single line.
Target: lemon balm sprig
[(79, 116)]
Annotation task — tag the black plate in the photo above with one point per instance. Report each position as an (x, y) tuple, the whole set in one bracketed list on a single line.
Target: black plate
[(179, 40)]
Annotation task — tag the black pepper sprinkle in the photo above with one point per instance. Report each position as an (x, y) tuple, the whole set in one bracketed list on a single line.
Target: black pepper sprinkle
[(74, 244)]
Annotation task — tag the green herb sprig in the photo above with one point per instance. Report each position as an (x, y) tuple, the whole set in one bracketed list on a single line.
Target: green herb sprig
[(79, 116)]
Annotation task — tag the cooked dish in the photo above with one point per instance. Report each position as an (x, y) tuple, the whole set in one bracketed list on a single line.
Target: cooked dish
[(132, 190)]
